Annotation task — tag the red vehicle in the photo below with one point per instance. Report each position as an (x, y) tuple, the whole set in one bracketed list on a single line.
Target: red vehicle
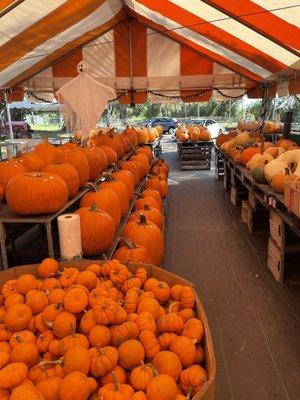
[(21, 130)]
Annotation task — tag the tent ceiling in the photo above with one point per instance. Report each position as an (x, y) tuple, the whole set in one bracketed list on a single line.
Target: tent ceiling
[(177, 45)]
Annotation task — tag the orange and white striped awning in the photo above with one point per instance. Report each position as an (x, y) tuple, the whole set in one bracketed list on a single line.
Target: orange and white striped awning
[(152, 47)]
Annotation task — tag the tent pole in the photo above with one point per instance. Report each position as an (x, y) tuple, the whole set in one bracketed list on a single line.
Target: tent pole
[(11, 133)]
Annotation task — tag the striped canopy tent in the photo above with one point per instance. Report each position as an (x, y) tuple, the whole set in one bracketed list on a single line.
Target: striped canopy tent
[(152, 49)]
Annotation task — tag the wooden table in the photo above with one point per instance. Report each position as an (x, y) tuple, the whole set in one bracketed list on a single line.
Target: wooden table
[(283, 227), (7, 216)]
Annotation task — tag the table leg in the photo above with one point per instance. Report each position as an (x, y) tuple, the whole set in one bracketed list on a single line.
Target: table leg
[(3, 246), (49, 239)]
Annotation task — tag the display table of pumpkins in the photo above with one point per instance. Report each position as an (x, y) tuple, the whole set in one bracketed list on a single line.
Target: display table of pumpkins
[(264, 168), (102, 331), (42, 184)]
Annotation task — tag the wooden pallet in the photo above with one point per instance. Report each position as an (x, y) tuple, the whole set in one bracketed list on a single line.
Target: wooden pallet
[(194, 156)]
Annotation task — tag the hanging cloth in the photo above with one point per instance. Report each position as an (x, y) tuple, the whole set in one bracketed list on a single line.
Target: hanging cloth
[(84, 99)]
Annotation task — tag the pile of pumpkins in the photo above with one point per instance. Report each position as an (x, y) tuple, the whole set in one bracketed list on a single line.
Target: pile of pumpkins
[(269, 163), (149, 135), (103, 333), (268, 127), (102, 208), (192, 133), (142, 235), (41, 181)]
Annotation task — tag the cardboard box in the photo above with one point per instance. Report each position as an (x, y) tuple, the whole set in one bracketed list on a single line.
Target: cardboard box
[(207, 390)]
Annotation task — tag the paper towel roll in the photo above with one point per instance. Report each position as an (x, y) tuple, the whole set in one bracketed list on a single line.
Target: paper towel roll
[(69, 237)]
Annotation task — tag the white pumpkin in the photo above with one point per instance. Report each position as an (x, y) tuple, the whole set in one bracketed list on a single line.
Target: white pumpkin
[(259, 160), (243, 138), (279, 165)]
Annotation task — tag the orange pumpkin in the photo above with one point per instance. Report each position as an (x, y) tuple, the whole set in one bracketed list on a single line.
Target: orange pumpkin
[(26, 193), (119, 188), (111, 155), (97, 229), (146, 234), (105, 199), (79, 161), (248, 153), (68, 173)]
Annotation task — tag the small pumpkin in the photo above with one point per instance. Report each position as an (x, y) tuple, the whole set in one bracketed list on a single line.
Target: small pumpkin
[(115, 390), (131, 353), (103, 360), (47, 267), (194, 376), (141, 376), (185, 349), (160, 387), (167, 362), (99, 335)]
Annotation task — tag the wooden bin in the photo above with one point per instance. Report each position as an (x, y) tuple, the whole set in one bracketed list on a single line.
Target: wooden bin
[(207, 390)]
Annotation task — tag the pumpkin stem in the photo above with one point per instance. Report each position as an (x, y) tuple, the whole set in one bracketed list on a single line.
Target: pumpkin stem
[(99, 349), (116, 382), (18, 338), (94, 207), (143, 220), (147, 207), (189, 393), (73, 331), (128, 243), (154, 370)]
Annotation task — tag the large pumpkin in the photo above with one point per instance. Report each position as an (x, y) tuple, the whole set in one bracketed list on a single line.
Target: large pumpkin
[(79, 161), (146, 234), (36, 193), (97, 230), (194, 133), (9, 169), (97, 160), (126, 177), (32, 162), (68, 173), (132, 167), (289, 160), (112, 156), (243, 137), (248, 153), (46, 151), (131, 252), (106, 200), (119, 188), (111, 139)]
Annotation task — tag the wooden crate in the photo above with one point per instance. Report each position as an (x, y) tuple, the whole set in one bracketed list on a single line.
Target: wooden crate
[(194, 155), (207, 389), (236, 195), (276, 261), (252, 200), (219, 166), (247, 214), (277, 229)]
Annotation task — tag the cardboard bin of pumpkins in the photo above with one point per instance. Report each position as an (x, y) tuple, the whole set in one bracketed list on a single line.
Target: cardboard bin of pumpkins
[(101, 382)]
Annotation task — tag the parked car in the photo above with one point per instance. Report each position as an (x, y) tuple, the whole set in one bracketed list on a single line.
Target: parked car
[(169, 124), (210, 124), (21, 130)]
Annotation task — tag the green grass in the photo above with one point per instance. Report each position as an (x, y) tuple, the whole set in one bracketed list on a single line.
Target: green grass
[(45, 127)]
